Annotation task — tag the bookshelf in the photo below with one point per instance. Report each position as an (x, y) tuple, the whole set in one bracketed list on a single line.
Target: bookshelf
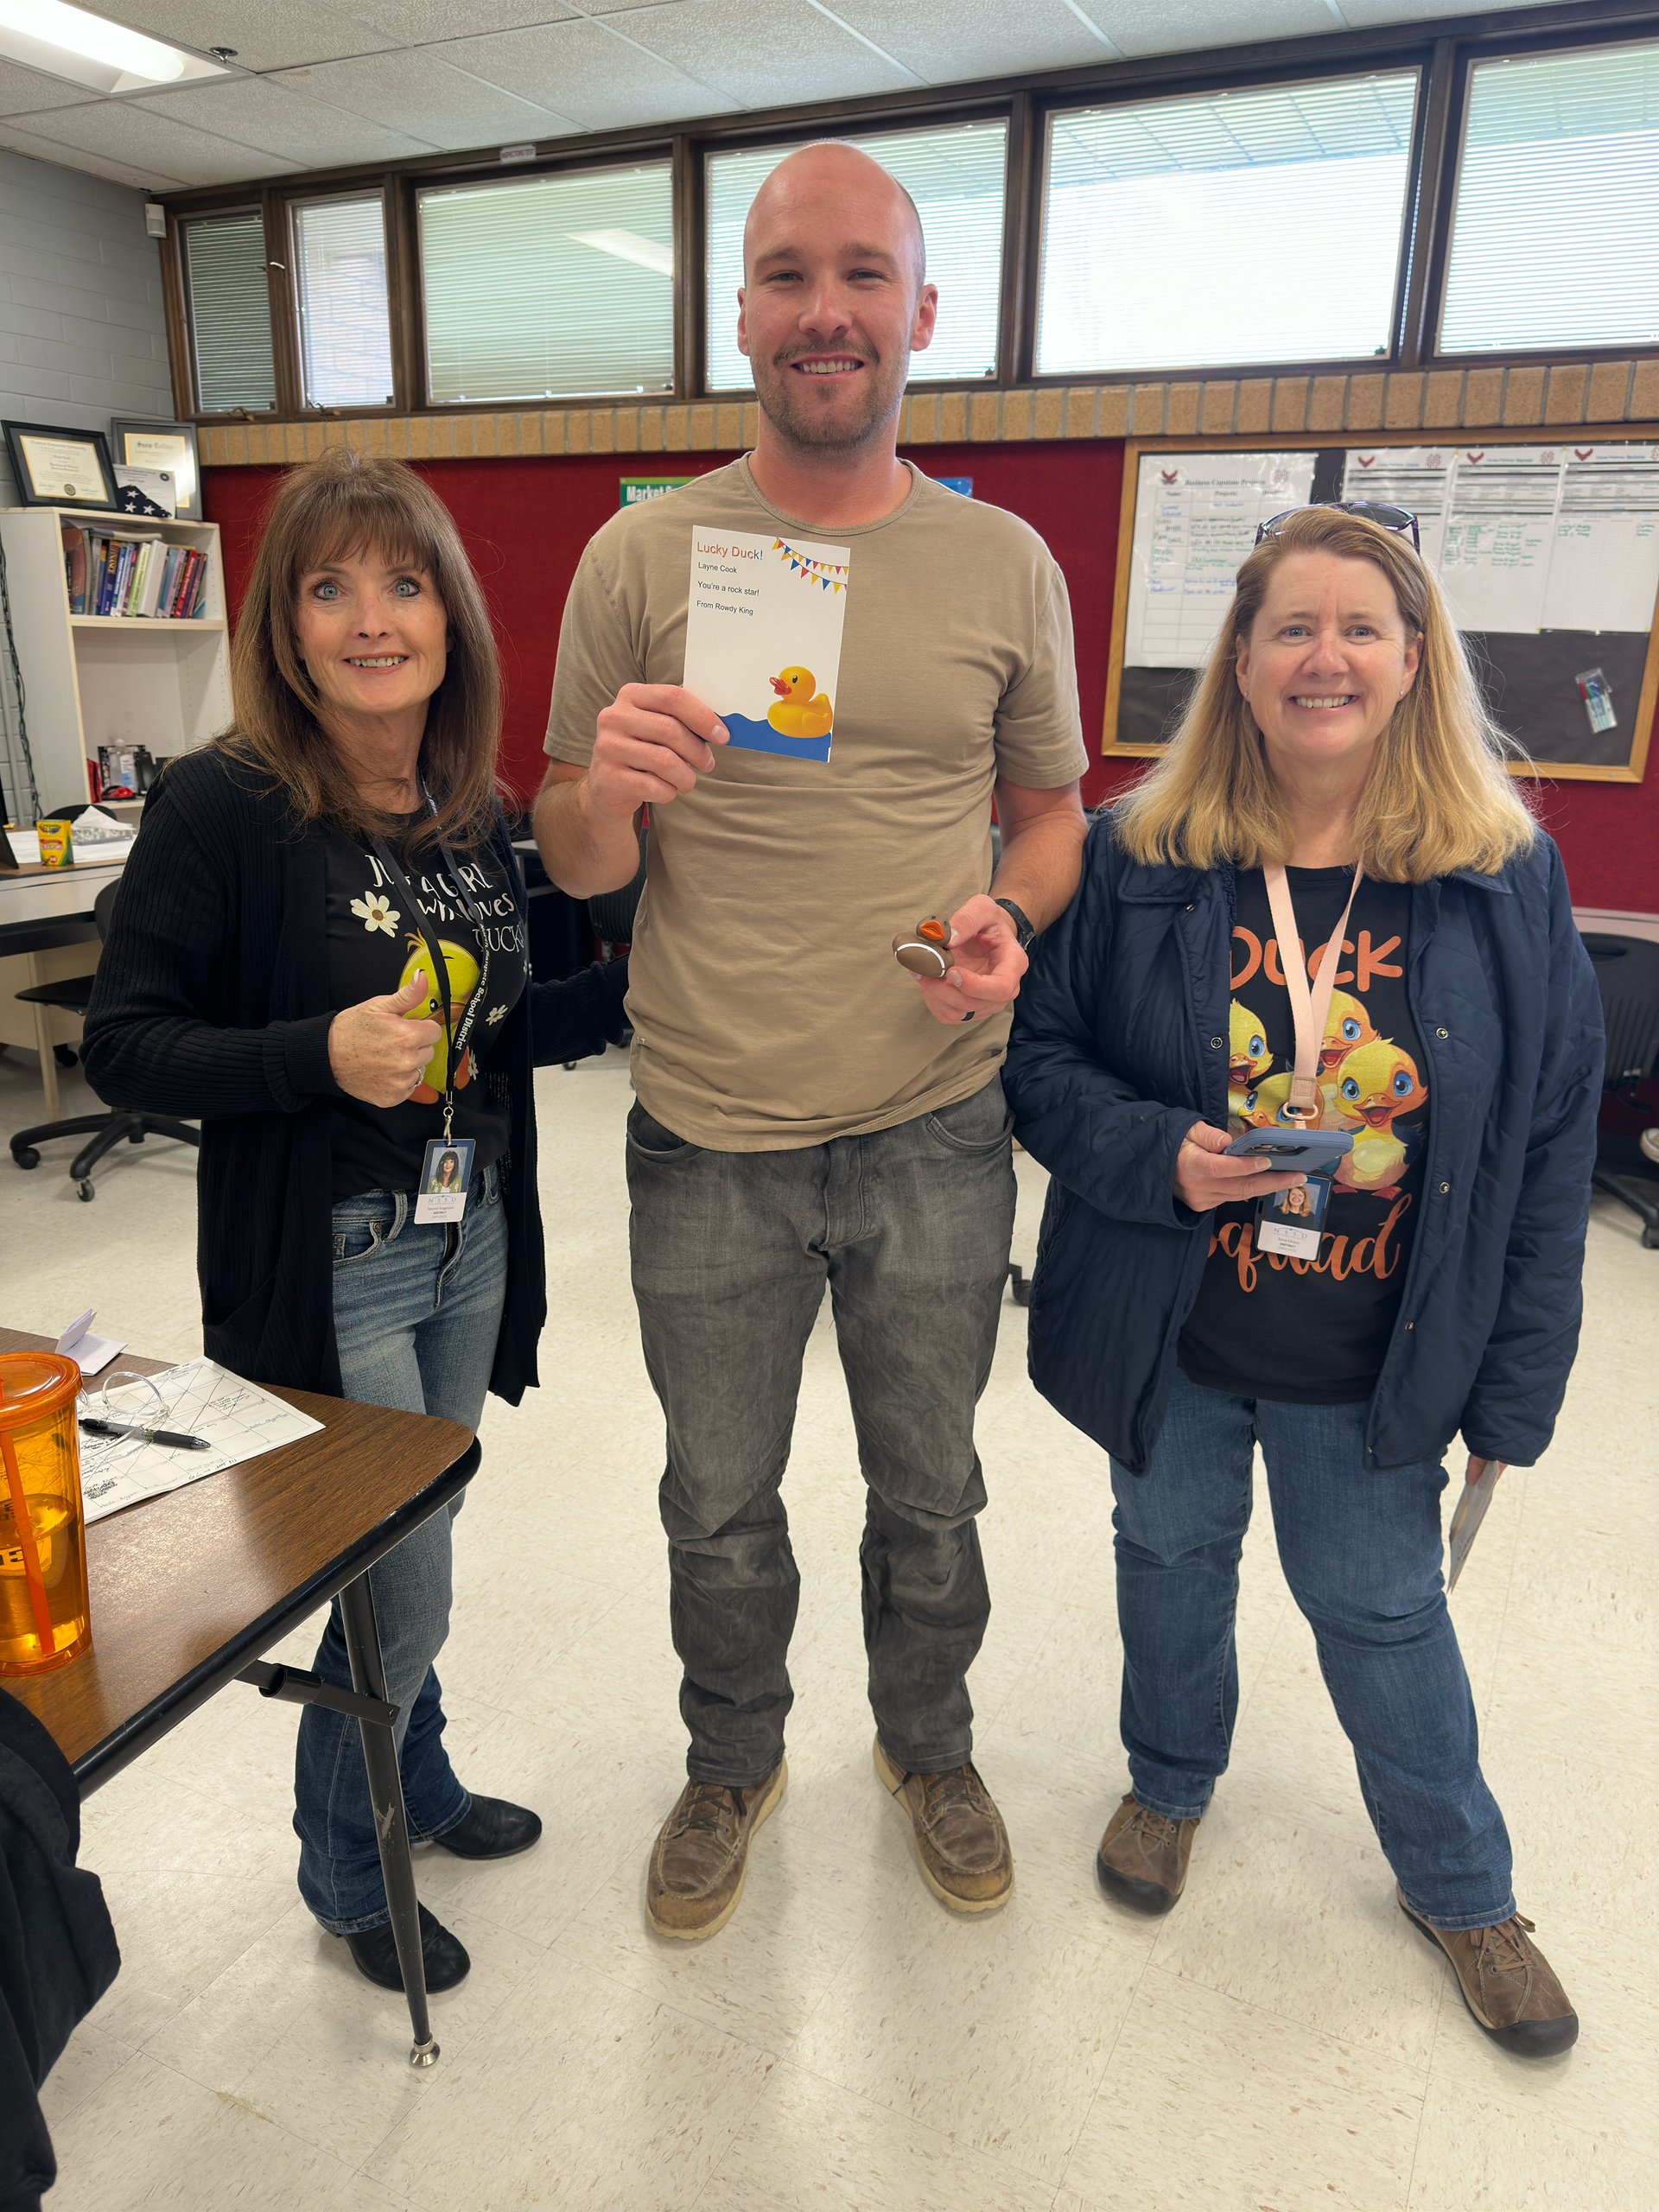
[(109, 679)]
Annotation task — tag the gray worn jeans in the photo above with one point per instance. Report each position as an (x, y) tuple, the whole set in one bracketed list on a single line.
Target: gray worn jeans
[(911, 1228)]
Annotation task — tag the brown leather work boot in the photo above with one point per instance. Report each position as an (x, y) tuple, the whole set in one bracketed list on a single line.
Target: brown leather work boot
[(701, 1854), (1142, 1857), (961, 1845), (1507, 1983)]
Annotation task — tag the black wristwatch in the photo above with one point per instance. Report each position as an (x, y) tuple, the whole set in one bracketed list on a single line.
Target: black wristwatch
[(1022, 929)]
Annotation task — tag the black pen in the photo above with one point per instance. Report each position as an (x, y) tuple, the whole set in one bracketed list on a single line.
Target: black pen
[(150, 1435)]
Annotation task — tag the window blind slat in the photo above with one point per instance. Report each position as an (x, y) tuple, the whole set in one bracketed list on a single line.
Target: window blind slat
[(956, 175), (1216, 231), (549, 287), (230, 311), (1555, 229), (345, 321)]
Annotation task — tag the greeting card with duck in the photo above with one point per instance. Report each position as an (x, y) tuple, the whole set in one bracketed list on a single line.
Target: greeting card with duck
[(762, 638)]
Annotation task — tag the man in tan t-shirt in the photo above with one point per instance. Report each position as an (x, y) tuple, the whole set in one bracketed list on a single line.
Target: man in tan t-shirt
[(807, 1111)]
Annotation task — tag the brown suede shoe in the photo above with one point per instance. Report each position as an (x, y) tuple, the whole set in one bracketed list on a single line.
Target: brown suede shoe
[(1142, 1857), (1507, 1983), (701, 1854), (961, 1845)]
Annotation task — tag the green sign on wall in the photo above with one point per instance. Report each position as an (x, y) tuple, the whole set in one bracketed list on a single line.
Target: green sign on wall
[(636, 488)]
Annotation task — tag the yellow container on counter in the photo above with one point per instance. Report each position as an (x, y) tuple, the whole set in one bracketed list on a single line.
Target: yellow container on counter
[(57, 843)]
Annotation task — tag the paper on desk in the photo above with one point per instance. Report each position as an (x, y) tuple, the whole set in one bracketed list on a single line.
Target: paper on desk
[(91, 1354), (239, 1418), (762, 638)]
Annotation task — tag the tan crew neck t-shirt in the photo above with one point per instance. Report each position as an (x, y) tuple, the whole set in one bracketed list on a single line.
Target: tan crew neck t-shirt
[(768, 1011)]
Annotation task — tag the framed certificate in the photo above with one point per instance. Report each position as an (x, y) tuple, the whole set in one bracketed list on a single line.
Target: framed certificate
[(168, 446), (60, 468)]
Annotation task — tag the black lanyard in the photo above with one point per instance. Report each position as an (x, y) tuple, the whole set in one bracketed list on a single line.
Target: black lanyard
[(455, 1040)]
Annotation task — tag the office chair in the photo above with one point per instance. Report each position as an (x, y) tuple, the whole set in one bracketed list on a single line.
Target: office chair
[(74, 995), (1627, 971)]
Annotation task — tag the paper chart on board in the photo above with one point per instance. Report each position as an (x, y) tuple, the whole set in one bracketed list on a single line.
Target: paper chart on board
[(762, 638), (1531, 537), (239, 1418), (1196, 517)]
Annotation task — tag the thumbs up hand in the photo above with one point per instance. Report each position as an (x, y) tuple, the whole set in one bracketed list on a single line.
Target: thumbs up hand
[(377, 1054)]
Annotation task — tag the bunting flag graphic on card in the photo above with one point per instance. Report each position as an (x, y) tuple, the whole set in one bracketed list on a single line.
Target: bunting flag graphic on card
[(762, 638)]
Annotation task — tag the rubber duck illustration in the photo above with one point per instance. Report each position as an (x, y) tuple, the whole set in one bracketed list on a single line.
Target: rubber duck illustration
[(1247, 1057), (463, 981), (800, 712), (1346, 1025), (1261, 1106), (1376, 1084)]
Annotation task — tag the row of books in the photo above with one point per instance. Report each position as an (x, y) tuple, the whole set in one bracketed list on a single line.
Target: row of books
[(117, 572)]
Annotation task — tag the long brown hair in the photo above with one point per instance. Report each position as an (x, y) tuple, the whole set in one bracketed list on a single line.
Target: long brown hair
[(1437, 797), (337, 508)]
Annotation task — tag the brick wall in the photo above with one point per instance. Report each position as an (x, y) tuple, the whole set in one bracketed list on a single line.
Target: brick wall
[(82, 334)]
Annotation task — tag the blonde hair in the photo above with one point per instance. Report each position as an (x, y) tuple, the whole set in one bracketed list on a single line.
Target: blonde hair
[(1437, 798), (332, 509)]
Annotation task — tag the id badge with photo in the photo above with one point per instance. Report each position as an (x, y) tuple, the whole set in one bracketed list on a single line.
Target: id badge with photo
[(446, 1173), (1292, 1222)]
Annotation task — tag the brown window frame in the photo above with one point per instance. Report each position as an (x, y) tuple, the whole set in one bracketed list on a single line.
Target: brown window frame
[(1443, 53)]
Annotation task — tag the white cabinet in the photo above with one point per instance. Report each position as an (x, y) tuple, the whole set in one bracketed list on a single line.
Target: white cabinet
[(106, 679)]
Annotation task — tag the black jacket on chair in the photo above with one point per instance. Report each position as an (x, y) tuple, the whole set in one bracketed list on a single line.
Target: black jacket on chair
[(57, 1948), (211, 1000)]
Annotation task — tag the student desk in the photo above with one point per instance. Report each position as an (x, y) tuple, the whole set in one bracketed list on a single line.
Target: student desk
[(45, 935), (187, 1590)]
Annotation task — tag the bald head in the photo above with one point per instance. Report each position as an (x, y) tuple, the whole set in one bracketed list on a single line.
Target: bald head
[(830, 176)]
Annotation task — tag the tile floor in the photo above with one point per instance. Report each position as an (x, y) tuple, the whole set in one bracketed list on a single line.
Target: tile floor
[(1283, 2041)]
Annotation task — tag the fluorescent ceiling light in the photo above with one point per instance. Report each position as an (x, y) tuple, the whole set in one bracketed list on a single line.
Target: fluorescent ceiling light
[(65, 42), (626, 245)]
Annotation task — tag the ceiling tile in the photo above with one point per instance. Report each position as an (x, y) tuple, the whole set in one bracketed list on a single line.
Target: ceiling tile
[(48, 149), (1138, 27), (944, 40), (266, 34), (424, 22), (418, 93), (1360, 15), (764, 53), (579, 69), (154, 147), (274, 115), (21, 90)]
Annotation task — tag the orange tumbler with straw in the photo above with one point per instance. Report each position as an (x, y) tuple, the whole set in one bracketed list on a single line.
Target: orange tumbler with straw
[(43, 1614)]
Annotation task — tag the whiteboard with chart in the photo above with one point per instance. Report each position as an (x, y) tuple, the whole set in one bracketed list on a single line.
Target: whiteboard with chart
[(1548, 554)]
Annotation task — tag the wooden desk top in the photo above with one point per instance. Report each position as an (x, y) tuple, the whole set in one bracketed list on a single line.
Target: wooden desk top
[(186, 1588)]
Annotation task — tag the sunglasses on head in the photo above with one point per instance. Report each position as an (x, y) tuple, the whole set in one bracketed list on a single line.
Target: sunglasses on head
[(1386, 518)]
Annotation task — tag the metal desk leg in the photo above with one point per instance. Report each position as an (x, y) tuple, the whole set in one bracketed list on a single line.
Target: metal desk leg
[(386, 1793)]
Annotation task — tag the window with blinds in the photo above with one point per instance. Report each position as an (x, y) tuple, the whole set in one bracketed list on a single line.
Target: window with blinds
[(549, 287), (340, 283), (956, 175), (1225, 228), (1555, 228), (230, 311)]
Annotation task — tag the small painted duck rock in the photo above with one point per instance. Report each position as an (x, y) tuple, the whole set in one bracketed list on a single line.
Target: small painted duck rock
[(928, 951)]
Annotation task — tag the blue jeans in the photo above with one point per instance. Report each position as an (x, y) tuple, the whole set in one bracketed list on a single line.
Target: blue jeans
[(417, 1308), (1361, 1550)]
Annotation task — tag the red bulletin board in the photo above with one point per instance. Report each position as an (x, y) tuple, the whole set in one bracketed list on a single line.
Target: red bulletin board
[(524, 522)]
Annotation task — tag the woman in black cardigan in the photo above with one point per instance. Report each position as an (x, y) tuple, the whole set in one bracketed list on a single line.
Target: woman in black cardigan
[(320, 950)]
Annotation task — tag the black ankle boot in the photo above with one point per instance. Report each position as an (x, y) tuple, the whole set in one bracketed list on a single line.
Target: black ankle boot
[(492, 1829), (443, 1955)]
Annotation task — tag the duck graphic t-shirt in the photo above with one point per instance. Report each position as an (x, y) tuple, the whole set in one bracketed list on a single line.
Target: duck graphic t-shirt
[(374, 948), (1315, 1331)]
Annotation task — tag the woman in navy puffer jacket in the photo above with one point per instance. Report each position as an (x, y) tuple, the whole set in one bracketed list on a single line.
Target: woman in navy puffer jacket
[(1335, 783)]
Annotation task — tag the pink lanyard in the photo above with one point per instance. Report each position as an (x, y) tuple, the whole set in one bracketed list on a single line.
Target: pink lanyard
[(1308, 1009)]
